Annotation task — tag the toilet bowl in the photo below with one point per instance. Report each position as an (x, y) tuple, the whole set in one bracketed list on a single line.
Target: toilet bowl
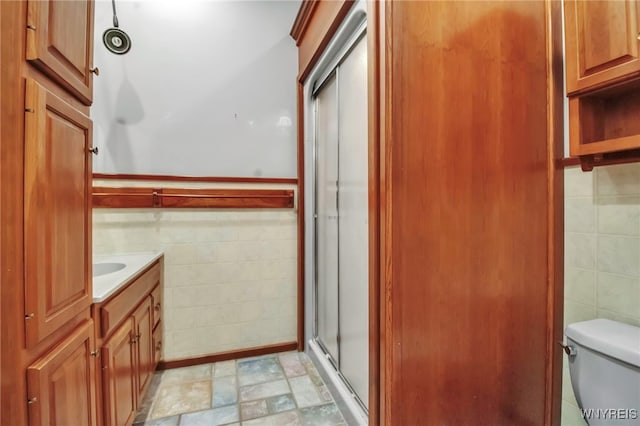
[(604, 364)]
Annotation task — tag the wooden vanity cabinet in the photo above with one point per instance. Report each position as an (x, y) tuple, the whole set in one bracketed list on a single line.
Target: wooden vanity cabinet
[(127, 333)]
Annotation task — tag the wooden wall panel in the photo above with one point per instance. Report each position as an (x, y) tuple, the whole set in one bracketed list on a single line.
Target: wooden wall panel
[(468, 203)]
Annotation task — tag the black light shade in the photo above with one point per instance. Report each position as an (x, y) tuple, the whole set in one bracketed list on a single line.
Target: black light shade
[(117, 41)]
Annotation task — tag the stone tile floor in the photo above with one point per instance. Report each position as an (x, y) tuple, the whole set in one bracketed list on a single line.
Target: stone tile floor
[(280, 390)]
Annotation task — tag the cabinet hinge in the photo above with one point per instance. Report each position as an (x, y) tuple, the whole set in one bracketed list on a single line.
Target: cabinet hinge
[(29, 316)]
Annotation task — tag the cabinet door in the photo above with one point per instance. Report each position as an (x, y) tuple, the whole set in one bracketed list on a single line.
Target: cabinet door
[(144, 347), (56, 212), (61, 386), (157, 345), (119, 376), (601, 42), (60, 43)]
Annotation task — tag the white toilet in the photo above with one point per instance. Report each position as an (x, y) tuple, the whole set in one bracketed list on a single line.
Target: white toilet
[(604, 363)]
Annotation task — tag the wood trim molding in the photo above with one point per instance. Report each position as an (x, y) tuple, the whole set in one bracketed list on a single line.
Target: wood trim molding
[(191, 198), (555, 213), (229, 355), (301, 221), (588, 162), (303, 17), (569, 162), (328, 16), (374, 60), (216, 179)]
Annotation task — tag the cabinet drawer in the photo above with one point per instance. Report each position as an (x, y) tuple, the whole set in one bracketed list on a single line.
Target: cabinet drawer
[(156, 300), (120, 306), (157, 344)]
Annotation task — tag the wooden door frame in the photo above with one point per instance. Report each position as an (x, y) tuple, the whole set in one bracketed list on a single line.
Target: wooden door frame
[(555, 213)]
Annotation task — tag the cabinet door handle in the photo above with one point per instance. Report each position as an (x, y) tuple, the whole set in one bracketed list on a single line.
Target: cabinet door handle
[(95, 70), (95, 354), (94, 150), (157, 307)]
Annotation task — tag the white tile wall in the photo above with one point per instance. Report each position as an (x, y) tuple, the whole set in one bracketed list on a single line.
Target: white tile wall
[(230, 275), (602, 254)]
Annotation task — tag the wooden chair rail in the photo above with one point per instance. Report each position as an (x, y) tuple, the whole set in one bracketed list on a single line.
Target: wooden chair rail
[(126, 197)]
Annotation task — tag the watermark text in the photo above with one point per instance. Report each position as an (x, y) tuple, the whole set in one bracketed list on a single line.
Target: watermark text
[(609, 413)]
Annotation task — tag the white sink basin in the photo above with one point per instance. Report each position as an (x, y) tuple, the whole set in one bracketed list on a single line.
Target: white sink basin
[(107, 268), (112, 271)]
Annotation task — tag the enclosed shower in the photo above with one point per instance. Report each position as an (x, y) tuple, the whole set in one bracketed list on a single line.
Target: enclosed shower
[(339, 158)]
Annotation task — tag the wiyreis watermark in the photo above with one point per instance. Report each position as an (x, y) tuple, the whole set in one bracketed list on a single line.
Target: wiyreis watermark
[(609, 413)]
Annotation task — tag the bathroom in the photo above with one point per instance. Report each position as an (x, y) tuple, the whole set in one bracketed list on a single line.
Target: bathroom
[(422, 284)]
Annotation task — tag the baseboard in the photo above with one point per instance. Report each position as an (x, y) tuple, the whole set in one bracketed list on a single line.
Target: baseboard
[(225, 356)]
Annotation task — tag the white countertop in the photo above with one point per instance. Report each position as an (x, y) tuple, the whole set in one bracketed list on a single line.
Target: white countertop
[(107, 284)]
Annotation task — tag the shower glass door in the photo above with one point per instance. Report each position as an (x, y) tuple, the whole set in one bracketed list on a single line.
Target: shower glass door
[(327, 219), (342, 249)]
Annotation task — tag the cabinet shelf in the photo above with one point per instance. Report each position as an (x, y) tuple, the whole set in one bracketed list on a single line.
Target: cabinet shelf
[(606, 121)]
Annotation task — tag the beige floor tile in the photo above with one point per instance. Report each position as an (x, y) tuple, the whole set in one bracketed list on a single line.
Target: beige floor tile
[(195, 373), (180, 398)]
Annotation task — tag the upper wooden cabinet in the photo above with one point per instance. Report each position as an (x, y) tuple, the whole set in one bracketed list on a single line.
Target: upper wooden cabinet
[(60, 43), (601, 43), (603, 80), (57, 173), (61, 385)]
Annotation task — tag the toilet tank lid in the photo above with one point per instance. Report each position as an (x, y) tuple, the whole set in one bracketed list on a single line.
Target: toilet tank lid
[(615, 339)]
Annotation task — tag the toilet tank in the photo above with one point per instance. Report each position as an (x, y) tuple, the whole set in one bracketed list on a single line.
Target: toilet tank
[(605, 371)]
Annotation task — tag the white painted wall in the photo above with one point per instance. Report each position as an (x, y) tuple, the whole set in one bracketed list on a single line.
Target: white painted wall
[(208, 89)]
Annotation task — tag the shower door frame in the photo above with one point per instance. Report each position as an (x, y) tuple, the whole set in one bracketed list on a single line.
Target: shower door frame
[(353, 28), (331, 72)]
